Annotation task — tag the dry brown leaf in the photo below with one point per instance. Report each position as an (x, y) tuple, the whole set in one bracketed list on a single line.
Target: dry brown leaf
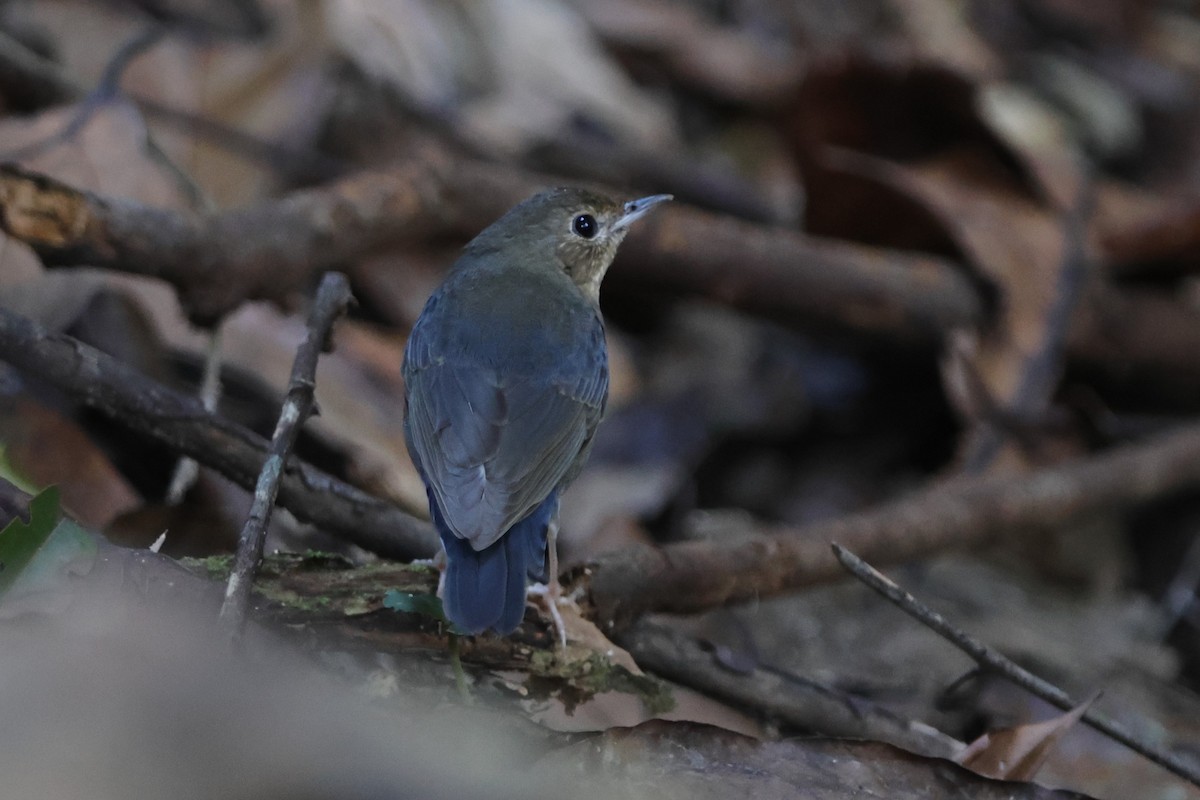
[(1038, 135), (40, 447), (724, 60), (942, 32), (1016, 754), (584, 639), (269, 89), (517, 71), (107, 155), (358, 391), (260, 87), (981, 208), (624, 710)]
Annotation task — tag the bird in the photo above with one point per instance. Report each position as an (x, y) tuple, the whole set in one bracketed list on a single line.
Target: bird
[(505, 381)]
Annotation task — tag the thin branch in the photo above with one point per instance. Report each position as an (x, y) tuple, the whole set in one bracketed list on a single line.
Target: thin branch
[(220, 261), (764, 270), (181, 423), (333, 295), (1041, 369), (105, 92), (47, 83), (990, 659), (302, 164), (273, 251), (804, 704), (50, 84), (730, 566), (1179, 598), (186, 469)]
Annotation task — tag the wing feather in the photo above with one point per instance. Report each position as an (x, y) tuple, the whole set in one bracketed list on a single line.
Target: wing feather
[(492, 446)]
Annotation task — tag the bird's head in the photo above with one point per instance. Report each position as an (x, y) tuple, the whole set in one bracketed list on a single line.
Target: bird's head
[(574, 230)]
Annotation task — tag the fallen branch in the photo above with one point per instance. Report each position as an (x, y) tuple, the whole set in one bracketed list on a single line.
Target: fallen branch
[(730, 566), (220, 261), (804, 704), (788, 275), (182, 424), (993, 661), (684, 577), (271, 251)]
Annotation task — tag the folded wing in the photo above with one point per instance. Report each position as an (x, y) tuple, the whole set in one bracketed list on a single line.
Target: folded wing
[(492, 446)]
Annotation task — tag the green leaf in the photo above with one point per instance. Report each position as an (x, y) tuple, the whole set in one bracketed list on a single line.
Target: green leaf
[(34, 556), (10, 473), (427, 605), (20, 541)]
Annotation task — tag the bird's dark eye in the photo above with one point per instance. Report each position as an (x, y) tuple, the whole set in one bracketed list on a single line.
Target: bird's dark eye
[(584, 225)]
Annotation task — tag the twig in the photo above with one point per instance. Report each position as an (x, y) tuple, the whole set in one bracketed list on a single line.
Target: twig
[(105, 92), (181, 423), (1040, 371), (1179, 598), (51, 84), (333, 295), (304, 165), (48, 84), (795, 701), (995, 423), (219, 261), (730, 566), (990, 659), (186, 469)]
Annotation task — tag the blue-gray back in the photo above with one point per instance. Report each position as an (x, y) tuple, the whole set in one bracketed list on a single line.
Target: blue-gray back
[(506, 378)]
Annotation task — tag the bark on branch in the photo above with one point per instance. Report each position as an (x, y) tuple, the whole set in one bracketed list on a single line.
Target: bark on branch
[(271, 251), (332, 298), (181, 423), (218, 262), (966, 512)]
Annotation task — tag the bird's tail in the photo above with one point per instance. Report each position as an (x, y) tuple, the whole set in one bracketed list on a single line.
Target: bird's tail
[(486, 588)]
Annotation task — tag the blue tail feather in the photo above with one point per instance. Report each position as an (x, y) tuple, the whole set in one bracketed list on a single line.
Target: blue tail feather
[(486, 588)]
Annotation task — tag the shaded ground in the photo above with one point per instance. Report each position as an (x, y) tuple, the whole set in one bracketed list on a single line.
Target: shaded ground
[(927, 289)]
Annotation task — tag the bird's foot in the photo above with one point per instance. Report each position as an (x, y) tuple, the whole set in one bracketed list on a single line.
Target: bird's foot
[(438, 561), (550, 595)]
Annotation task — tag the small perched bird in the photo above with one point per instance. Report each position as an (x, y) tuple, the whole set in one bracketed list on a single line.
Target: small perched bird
[(506, 379)]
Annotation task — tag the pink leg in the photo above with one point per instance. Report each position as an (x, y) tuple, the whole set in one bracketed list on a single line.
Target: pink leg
[(552, 589)]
